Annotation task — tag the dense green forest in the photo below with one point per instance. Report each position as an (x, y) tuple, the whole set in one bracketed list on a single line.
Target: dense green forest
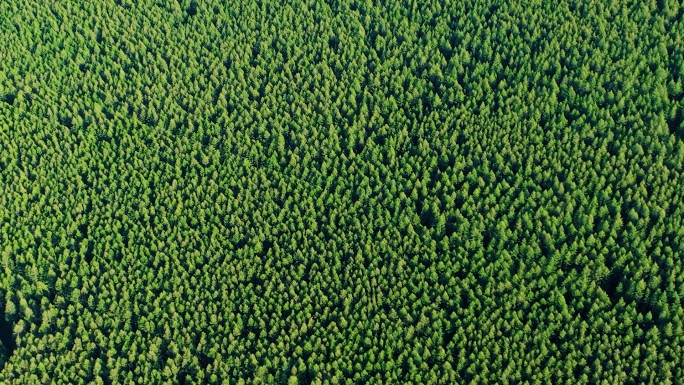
[(341, 192)]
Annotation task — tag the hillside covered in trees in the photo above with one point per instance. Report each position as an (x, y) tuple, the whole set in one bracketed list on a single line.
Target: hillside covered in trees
[(341, 192)]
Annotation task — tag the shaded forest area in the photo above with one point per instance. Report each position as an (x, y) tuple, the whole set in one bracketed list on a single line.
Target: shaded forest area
[(341, 192)]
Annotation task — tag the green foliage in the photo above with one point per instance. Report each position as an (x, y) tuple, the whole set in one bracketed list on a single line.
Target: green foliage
[(341, 192)]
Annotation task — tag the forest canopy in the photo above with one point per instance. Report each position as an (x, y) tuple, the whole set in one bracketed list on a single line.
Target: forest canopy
[(341, 192)]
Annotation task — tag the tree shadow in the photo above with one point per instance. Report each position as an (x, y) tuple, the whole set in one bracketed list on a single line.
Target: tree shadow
[(7, 343), (8, 98)]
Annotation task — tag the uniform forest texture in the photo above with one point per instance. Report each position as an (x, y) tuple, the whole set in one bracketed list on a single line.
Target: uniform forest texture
[(341, 192)]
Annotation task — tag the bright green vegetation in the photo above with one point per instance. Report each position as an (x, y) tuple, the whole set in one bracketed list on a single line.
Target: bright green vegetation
[(433, 192)]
